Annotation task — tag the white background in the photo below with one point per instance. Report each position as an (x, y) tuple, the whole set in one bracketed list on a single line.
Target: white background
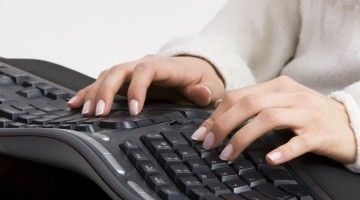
[(91, 35)]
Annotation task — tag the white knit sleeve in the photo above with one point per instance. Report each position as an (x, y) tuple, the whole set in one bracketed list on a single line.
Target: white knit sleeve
[(249, 41), (350, 97)]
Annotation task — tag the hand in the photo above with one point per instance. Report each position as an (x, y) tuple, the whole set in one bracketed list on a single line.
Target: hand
[(320, 123), (193, 77)]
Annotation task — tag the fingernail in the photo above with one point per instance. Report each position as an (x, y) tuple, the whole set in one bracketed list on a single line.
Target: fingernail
[(209, 140), (86, 107), (134, 107), (274, 156), (100, 106), (226, 153), (199, 134), (217, 103), (209, 91), (72, 100)]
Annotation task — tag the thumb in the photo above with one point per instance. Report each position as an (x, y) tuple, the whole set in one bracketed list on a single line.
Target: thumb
[(205, 92)]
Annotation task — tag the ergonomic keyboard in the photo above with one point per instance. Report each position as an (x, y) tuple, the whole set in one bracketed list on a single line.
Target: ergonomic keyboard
[(148, 156)]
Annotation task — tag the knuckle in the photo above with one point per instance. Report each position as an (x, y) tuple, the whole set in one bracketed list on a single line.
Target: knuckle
[(304, 142), (250, 102), (230, 98), (269, 117), (143, 66), (103, 73)]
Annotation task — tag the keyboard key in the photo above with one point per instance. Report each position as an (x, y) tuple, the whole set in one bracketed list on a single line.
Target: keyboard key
[(237, 185), (148, 137), (187, 183), (114, 123), (206, 177), (18, 77), (44, 88), (160, 119), (230, 196), (30, 82), (203, 152), (167, 159), (5, 99), (4, 122), (253, 195), (129, 146), (242, 166), (225, 174), (186, 153), (16, 125), (29, 92), (201, 114), (175, 139), (45, 107), (143, 122), (90, 128), (147, 169), (137, 158), (156, 147), (199, 193), (176, 171), (22, 106), (187, 135), (9, 112), (27, 118), (157, 182), (257, 157), (56, 94), (6, 80), (278, 175), (214, 162), (64, 120), (67, 126), (269, 190), (196, 165), (296, 191), (168, 193), (253, 178), (36, 112), (218, 188)]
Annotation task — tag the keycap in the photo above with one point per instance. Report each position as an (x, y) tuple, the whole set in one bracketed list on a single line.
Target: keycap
[(129, 146), (18, 77), (160, 119), (156, 147), (30, 82), (63, 120), (9, 112), (16, 125), (206, 177), (218, 188), (257, 157), (90, 128), (182, 124), (114, 123), (174, 138), (237, 185), (187, 135), (253, 178), (45, 107), (137, 158), (277, 175), (258, 145), (196, 165), (253, 195), (22, 106), (5, 99), (147, 169), (44, 119), (67, 126), (29, 92), (36, 112), (27, 118), (168, 193), (242, 166), (214, 162), (230, 196), (297, 191), (203, 152), (6, 80), (44, 88), (146, 138), (179, 170), (225, 174), (143, 122), (199, 193), (4, 122), (78, 121), (186, 183), (157, 182), (186, 153), (167, 159), (197, 114), (272, 192), (56, 94)]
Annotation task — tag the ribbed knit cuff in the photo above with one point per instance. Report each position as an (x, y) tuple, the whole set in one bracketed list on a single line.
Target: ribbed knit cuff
[(231, 66), (353, 111)]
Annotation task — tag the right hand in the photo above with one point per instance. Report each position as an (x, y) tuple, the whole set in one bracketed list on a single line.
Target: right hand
[(193, 77)]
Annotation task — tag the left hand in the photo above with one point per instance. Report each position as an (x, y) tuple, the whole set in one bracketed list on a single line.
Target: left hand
[(320, 124)]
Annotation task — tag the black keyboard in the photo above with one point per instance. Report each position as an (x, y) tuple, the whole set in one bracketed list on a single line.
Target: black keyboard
[(149, 156)]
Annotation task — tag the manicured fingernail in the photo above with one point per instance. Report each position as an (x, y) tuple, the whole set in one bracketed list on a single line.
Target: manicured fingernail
[(274, 156), (199, 134), (100, 106), (226, 153), (72, 100), (134, 107), (217, 103), (86, 107), (209, 140), (209, 91)]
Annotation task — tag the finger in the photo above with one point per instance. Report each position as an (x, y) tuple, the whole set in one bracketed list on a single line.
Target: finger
[(112, 82), (244, 109), (265, 121), (78, 100), (295, 147), (205, 92)]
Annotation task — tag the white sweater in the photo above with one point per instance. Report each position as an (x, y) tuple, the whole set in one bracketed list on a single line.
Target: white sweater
[(316, 42)]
